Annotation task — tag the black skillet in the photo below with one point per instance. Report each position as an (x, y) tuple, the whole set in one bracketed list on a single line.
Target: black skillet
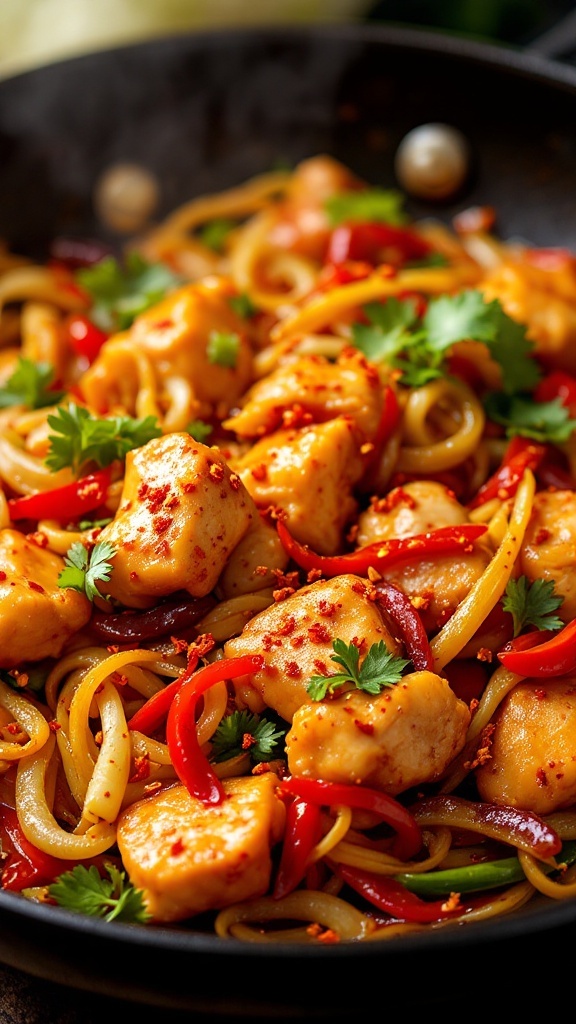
[(204, 112)]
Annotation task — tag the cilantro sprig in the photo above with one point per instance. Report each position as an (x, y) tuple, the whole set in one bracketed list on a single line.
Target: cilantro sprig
[(83, 570), (31, 385), (121, 291), (242, 732), (114, 898), (380, 668), (532, 604), (223, 348), (419, 346), (522, 415), (79, 439)]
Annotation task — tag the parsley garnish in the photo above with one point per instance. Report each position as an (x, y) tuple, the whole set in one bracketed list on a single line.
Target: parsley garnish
[(380, 668), (83, 570), (532, 604), (199, 430), (374, 204), (230, 738), (223, 348), (121, 292), (29, 385), (214, 234), (80, 438), (242, 305), (419, 347), (113, 898), (520, 414)]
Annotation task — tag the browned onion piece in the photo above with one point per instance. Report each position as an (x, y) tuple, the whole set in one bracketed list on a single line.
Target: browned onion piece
[(171, 616)]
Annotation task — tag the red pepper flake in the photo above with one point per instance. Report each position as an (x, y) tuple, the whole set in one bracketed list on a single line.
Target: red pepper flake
[(260, 472), (216, 472), (235, 482), (281, 595), (141, 769), (365, 727), (296, 417), (292, 670), (2, 575), (54, 726), (248, 741), (162, 523), (177, 848), (541, 777), (38, 538), (36, 586), (327, 609), (318, 633)]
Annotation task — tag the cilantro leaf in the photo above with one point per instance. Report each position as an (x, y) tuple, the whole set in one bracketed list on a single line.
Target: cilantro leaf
[(223, 348), (374, 204), (514, 352), (380, 668), (520, 414), (80, 438), (199, 430), (83, 890), (84, 570), (452, 318), (214, 234), (29, 385), (243, 731), (242, 305), (121, 292), (532, 604)]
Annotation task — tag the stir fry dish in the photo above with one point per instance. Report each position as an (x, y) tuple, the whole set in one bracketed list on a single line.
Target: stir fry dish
[(288, 568)]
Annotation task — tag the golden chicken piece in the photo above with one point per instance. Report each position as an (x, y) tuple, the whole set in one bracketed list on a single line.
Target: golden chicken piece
[(543, 300), (548, 550), (254, 563), (295, 639), (436, 583), (38, 616), (309, 474), (182, 512), (189, 857), (532, 762), (316, 388), (178, 338), (404, 737)]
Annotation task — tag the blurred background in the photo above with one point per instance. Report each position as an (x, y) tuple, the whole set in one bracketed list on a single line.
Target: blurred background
[(34, 32)]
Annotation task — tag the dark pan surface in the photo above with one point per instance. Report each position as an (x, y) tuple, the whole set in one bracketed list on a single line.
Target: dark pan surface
[(204, 112)]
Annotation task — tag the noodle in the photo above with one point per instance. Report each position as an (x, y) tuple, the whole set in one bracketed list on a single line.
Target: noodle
[(286, 563)]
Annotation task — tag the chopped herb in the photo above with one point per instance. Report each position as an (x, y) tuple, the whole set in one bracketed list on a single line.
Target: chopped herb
[(222, 348), (114, 899), (244, 732), (380, 668), (419, 347), (121, 292), (30, 385), (242, 305), (214, 234), (199, 430), (521, 415), (532, 604), (373, 204), (84, 570), (80, 439), (89, 524)]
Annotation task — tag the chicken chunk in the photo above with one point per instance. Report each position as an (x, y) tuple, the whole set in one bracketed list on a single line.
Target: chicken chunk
[(38, 616), (295, 638), (181, 514), (177, 335), (188, 857), (404, 737), (542, 299), (255, 562), (549, 548), (533, 752), (310, 475), (438, 583), (316, 388)]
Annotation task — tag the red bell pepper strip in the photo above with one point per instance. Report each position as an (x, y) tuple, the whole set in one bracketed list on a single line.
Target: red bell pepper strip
[(445, 540), (388, 894), (521, 454), (408, 622), (25, 865), (554, 657), (409, 838), (375, 243), (550, 259), (83, 337), (301, 833), (151, 715), (64, 503), (190, 763)]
